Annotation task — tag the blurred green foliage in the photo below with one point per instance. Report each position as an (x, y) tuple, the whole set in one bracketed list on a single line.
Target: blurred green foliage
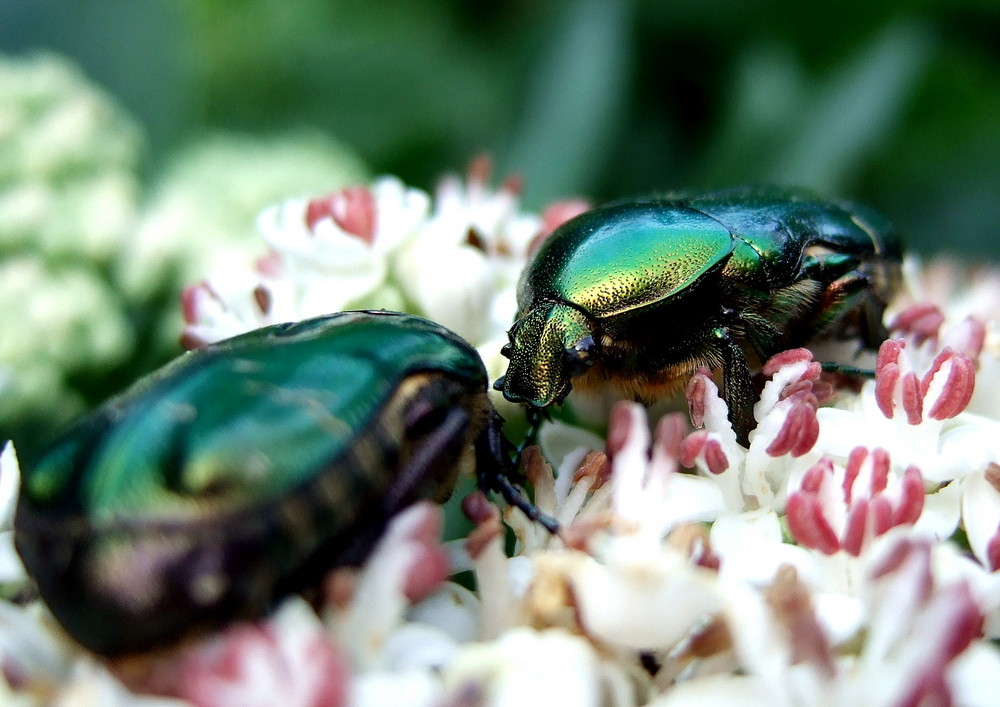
[(895, 103), (93, 259)]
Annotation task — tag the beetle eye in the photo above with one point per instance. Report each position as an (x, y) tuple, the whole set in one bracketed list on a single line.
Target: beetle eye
[(505, 350), (581, 356)]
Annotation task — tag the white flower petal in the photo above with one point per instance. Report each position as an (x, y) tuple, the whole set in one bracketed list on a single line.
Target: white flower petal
[(453, 609), (980, 513), (525, 667), (413, 688), (10, 484), (642, 597), (974, 676), (752, 549), (720, 691), (452, 286)]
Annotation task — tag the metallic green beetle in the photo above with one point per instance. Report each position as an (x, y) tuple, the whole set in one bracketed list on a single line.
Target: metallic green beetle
[(640, 294), (244, 470)]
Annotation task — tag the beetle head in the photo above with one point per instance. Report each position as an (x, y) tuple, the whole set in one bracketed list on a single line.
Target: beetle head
[(549, 345)]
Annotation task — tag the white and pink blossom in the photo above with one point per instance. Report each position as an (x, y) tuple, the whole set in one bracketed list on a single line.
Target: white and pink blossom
[(847, 556)]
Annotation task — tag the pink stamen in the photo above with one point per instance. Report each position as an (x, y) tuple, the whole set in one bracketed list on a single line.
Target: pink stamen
[(854, 461), (692, 447), (485, 515), (697, 391), (799, 431), (855, 527), (353, 209), (880, 515), (868, 513), (888, 353), (965, 620), (189, 302), (993, 551), (792, 608), (908, 550), (992, 475), (262, 297), (808, 525), (478, 508), (715, 458), (971, 337), (670, 435), (958, 388), (940, 360), (885, 388), (922, 321), (270, 264), (954, 397), (911, 502), (703, 444), (956, 621), (823, 391), (913, 401), (429, 565), (595, 465), (429, 568), (803, 386), (513, 185), (880, 470), (250, 663), (786, 358), (815, 475), (480, 170), (620, 428)]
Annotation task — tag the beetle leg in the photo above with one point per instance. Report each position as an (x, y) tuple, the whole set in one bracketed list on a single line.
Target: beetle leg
[(850, 292), (534, 416), (847, 285), (737, 385), (831, 367), (436, 445), (443, 442), (829, 266), (494, 472)]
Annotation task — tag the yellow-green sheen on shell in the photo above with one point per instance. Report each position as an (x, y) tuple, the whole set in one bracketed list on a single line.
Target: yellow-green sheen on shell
[(639, 294), (605, 273)]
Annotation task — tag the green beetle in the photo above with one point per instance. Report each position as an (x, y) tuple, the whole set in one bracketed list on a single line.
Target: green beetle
[(246, 469), (640, 294)]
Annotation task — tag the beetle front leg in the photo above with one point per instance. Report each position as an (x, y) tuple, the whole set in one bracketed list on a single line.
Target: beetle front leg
[(737, 385), (850, 289), (495, 472)]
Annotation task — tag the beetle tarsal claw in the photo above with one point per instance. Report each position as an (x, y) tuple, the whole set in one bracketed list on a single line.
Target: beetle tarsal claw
[(496, 472)]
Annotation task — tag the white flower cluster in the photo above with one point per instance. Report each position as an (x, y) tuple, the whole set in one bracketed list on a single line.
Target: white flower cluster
[(68, 162), (199, 203), (84, 245), (454, 259), (847, 557), (68, 193)]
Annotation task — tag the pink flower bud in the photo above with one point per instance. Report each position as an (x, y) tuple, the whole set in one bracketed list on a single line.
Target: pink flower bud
[(353, 209)]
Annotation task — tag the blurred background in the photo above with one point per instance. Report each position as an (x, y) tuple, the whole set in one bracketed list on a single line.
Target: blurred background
[(131, 128)]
